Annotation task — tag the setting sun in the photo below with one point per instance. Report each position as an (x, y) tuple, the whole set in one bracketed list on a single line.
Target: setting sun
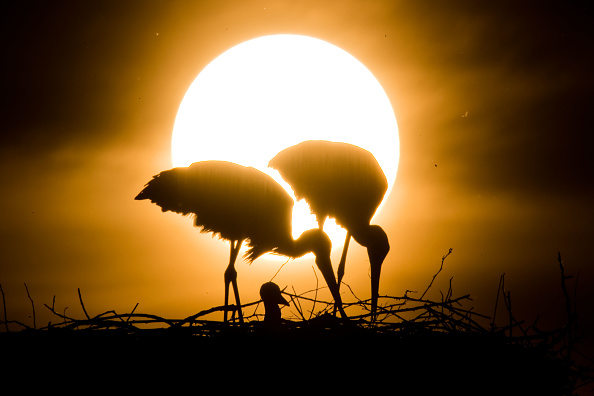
[(273, 92)]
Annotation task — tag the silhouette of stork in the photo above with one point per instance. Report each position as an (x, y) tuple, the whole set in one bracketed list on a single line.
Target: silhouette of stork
[(239, 204), (342, 181), (272, 297)]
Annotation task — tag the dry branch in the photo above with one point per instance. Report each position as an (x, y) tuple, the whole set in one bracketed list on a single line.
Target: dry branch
[(32, 306), (82, 304), (437, 273), (4, 306)]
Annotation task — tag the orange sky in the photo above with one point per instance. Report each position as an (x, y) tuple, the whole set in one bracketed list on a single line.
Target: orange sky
[(90, 97)]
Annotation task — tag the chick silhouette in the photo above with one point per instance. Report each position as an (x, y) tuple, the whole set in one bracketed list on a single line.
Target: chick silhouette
[(238, 204), (272, 297)]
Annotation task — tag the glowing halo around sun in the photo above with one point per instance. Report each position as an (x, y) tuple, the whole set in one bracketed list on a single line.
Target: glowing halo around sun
[(273, 92)]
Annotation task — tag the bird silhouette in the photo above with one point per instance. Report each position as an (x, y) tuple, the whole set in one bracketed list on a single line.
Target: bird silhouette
[(345, 182), (238, 204), (272, 298)]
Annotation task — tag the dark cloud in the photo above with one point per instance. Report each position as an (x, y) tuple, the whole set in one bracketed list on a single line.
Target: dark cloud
[(513, 94), (74, 70)]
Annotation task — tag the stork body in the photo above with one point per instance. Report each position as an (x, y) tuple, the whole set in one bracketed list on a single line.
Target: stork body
[(345, 182), (239, 204)]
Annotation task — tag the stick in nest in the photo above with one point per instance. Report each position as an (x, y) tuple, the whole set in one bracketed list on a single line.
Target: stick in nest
[(32, 305), (437, 273), (4, 304)]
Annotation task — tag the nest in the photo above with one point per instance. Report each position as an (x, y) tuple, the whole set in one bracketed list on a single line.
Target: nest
[(417, 344)]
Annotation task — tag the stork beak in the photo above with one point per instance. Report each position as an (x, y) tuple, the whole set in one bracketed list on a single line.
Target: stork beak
[(325, 267), (281, 300), (376, 259), (376, 268)]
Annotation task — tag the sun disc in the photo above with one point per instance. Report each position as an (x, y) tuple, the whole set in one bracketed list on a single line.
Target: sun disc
[(273, 92)]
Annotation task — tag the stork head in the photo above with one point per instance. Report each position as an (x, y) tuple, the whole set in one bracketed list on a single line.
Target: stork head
[(313, 241)]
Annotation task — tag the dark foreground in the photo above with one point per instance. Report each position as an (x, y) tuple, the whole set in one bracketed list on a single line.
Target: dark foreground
[(286, 358)]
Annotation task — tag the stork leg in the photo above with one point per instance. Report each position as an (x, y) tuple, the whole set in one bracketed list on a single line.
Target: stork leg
[(340, 271), (231, 278), (341, 265)]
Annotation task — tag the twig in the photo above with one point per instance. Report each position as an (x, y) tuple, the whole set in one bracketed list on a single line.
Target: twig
[(450, 291), (103, 321), (189, 319), (316, 293), (564, 287), (501, 280), (62, 315), (359, 301), (297, 304), (131, 313), (434, 276), (32, 305), (83, 305), (279, 269), (507, 299), (4, 305), (570, 317)]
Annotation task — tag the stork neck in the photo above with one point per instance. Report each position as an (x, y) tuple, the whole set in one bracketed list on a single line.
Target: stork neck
[(313, 241), (362, 234)]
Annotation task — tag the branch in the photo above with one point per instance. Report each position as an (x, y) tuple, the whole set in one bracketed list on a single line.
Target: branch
[(4, 305), (32, 305), (570, 316), (564, 288), (83, 305), (131, 313), (434, 276), (297, 304), (499, 288)]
